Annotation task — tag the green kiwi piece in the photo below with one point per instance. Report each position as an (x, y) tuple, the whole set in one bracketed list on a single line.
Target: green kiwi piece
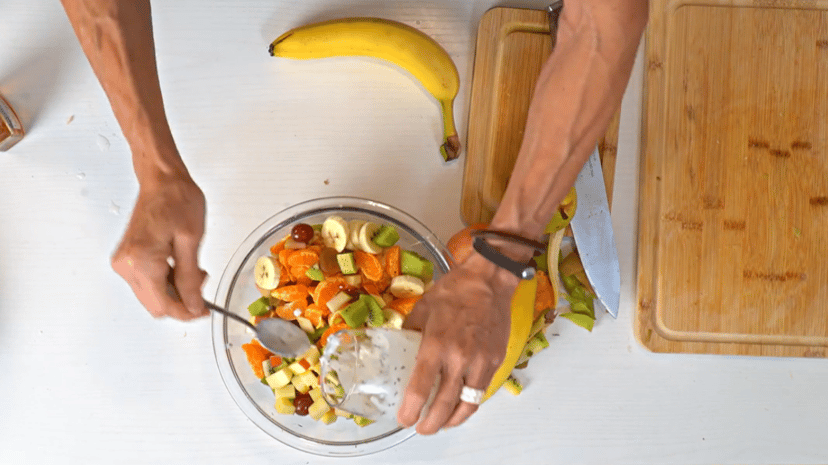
[(315, 274), (347, 263), (386, 236), (260, 307)]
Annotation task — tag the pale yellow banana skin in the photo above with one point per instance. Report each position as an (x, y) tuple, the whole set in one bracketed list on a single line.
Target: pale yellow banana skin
[(388, 40), (523, 308)]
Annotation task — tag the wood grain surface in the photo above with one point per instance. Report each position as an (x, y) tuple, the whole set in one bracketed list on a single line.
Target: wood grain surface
[(734, 179), (512, 46)]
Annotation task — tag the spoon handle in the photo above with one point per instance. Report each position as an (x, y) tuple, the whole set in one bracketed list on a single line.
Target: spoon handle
[(224, 312)]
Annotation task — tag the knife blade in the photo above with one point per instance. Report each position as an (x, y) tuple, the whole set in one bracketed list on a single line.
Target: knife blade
[(592, 231), (592, 225)]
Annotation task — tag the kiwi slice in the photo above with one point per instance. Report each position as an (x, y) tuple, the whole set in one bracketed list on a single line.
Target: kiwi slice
[(376, 318), (386, 236), (315, 274), (347, 263), (260, 307), (414, 265), (356, 313)]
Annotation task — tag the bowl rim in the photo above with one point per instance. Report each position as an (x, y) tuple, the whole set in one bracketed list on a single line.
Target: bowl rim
[(231, 274)]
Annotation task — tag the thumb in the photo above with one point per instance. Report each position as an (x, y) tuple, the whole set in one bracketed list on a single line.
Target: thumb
[(187, 275)]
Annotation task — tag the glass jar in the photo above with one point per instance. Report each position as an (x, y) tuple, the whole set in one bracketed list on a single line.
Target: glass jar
[(11, 131)]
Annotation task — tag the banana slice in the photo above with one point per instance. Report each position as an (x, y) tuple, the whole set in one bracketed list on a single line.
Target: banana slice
[(353, 237), (366, 236), (393, 319), (335, 233), (267, 273), (404, 286)]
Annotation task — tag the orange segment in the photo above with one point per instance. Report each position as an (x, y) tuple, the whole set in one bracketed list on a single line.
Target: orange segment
[(298, 273), (325, 291), (288, 311), (371, 288), (292, 293), (284, 255), (324, 338), (256, 354), (392, 261), (545, 294), (404, 305), (316, 314), (369, 264), (381, 284), (278, 247), (303, 257), (284, 276)]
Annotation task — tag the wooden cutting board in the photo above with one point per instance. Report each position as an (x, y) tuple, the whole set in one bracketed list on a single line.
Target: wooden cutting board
[(733, 234), (512, 46)]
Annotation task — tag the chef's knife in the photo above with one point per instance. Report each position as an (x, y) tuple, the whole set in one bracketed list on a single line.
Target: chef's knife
[(592, 230), (591, 225)]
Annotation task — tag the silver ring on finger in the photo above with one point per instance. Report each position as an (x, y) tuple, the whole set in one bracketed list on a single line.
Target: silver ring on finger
[(472, 395)]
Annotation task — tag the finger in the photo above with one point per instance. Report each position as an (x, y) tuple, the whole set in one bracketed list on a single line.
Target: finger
[(423, 377), (173, 305), (462, 413), (187, 276), (417, 318), (147, 279), (445, 401), (478, 376)]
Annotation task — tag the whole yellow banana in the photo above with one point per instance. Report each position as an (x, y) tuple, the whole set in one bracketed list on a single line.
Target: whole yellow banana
[(389, 40), (523, 308)]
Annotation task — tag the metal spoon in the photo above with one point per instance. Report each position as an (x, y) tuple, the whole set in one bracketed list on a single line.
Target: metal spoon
[(277, 335)]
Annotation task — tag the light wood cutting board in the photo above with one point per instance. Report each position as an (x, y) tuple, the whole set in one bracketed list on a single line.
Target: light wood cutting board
[(512, 46), (733, 234)]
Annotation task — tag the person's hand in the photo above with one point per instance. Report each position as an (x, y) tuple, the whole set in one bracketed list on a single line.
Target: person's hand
[(465, 322), (167, 222)]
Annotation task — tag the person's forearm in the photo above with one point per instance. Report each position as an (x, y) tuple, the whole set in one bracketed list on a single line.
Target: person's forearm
[(116, 37), (579, 90)]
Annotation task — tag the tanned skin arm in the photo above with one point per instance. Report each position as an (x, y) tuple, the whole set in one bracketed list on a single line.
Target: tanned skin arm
[(168, 217)]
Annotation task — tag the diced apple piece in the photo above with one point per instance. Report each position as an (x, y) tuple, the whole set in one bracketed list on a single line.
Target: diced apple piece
[(305, 324), (338, 301), (300, 366), (317, 409), (311, 355), (305, 381), (317, 368), (315, 393), (329, 417), (285, 391), (284, 405), (353, 280), (279, 379)]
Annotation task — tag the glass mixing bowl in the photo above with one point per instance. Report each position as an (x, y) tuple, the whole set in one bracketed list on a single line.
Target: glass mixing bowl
[(236, 290)]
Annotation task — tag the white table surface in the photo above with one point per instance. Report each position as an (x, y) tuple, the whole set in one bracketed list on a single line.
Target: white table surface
[(87, 376)]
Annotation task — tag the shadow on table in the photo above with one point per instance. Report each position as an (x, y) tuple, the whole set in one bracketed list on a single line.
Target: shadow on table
[(30, 84)]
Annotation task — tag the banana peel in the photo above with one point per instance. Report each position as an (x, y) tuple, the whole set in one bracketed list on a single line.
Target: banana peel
[(523, 307), (579, 292), (527, 321)]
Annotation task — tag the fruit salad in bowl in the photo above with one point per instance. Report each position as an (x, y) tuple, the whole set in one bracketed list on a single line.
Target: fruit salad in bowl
[(326, 264)]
